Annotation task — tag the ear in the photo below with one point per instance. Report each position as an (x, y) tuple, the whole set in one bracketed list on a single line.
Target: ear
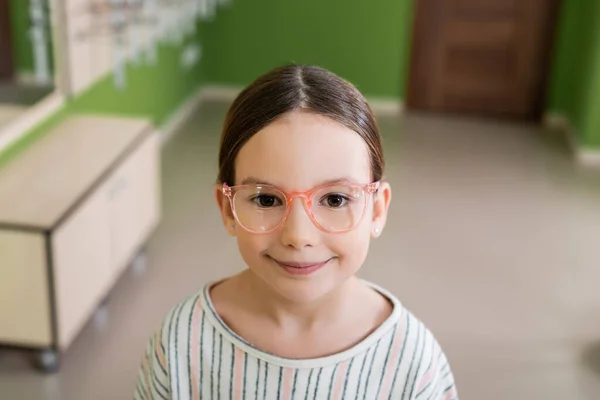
[(381, 204), (225, 209)]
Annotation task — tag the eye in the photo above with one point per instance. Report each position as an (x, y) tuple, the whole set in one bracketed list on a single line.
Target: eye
[(266, 200), (334, 200)]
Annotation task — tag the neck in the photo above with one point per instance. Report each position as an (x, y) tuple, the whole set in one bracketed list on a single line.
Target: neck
[(294, 315)]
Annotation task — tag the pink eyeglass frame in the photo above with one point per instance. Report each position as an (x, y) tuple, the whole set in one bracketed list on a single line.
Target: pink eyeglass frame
[(368, 189)]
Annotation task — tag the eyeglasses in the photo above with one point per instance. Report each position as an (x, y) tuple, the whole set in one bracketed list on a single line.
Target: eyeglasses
[(334, 208)]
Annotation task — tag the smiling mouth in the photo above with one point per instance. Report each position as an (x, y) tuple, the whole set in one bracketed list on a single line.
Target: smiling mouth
[(301, 268)]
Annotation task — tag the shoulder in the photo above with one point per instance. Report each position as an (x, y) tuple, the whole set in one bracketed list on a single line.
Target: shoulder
[(422, 370), (156, 378), (180, 320), (426, 366), (417, 336), (414, 334)]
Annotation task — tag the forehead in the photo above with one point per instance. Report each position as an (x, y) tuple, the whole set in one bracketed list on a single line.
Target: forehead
[(302, 150)]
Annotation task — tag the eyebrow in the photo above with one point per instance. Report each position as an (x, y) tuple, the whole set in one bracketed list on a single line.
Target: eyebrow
[(254, 181)]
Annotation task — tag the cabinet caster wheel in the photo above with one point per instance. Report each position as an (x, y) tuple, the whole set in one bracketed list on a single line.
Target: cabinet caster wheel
[(47, 361)]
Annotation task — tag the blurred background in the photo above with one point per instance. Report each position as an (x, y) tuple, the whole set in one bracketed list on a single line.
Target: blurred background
[(110, 116), (26, 70)]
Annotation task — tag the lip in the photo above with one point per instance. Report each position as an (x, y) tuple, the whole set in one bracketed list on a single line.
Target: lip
[(301, 268)]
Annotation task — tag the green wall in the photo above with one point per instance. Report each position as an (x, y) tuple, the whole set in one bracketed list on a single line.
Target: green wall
[(22, 49), (591, 129), (152, 91), (366, 42), (575, 78), (21, 44)]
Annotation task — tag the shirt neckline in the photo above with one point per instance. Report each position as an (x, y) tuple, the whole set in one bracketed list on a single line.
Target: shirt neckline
[(333, 359)]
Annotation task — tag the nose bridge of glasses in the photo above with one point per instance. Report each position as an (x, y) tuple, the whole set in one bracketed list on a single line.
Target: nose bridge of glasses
[(303, 198), (294, 213)]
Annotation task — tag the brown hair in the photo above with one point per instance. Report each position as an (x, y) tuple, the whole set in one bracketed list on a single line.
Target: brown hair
[(289, 88)]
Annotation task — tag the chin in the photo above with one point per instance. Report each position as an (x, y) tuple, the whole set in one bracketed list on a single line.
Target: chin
[(302, 292), (304, 289)]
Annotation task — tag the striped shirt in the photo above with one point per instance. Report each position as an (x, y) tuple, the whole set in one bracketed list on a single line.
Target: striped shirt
[(196, 356)]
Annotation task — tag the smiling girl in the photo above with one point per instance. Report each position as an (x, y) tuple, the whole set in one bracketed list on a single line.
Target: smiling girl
[(301, 187)]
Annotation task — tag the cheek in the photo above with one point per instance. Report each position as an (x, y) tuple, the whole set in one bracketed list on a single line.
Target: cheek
[(252, 246), (352, 246)]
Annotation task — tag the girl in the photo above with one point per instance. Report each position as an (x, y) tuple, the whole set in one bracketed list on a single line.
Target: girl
[(300, 187)]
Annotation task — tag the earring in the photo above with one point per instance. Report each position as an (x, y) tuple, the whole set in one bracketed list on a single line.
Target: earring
[(376, 231), (232, 227)]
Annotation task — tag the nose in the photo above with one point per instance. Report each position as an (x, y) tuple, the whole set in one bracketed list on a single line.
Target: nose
[(299, 231)]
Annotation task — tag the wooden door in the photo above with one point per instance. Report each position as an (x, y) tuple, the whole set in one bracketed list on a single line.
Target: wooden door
[(481, 56), (6, 59)]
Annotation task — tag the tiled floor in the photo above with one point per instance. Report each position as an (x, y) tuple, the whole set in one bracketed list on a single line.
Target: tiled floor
[(492, 241)]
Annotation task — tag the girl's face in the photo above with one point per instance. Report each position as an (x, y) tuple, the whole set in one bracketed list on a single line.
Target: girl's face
[(298, 152)]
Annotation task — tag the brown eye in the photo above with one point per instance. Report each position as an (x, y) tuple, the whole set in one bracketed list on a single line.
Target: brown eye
[(334, 200), (267, 201)]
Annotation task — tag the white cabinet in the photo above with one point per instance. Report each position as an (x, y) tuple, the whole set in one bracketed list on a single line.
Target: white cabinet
[(24, 289), (133, 195), (74, 209), (81, 260)]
